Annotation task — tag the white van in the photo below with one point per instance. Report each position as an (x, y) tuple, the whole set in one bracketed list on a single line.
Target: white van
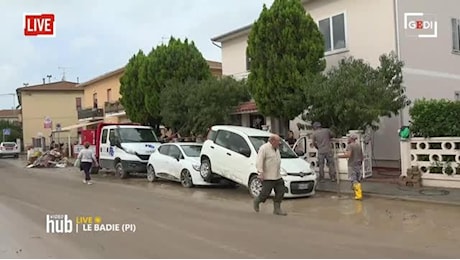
[(231, 152), (125, 148)]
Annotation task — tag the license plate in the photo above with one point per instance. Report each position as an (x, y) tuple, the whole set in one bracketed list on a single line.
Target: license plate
[(304, 186), (8, 148)]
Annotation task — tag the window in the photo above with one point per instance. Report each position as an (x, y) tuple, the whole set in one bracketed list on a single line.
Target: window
[(248, 61), (192, 150), (104, 136), (285, 150), (164, 149), (175, 152), (238, 144), (109, 95), (78, 103), (456, 35), (223, 138), (137, 135), (333, 30), (95, 100)]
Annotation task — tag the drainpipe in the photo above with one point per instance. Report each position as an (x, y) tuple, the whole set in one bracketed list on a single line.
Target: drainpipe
[(398, 48), (215, 44)]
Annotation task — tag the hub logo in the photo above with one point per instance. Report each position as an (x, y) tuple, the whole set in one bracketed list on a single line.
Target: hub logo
[(60, 224), (420, 25)]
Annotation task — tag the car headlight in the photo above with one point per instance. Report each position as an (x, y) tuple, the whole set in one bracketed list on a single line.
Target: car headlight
[(196, 167), (283, 172)]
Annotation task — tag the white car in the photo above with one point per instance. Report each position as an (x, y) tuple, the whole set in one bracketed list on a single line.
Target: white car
[(178, 162), (9, 149), (231, 152)]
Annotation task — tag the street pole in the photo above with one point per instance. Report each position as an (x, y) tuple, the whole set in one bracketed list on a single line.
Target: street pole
[(337, 172)]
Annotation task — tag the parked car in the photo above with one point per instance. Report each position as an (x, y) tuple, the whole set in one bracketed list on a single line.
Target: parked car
[(231, 152), (178, 162), (9, 149)]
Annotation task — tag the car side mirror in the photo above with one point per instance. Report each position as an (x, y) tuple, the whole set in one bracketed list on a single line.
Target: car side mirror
[(300, 153)]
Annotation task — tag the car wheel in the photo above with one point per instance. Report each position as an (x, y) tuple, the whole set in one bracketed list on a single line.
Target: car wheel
[(255, 186), (205, 170), (186, 179), (120, 172), (151, 174)]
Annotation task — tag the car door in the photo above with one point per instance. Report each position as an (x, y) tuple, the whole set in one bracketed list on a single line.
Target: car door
[(238, 158), (218, 155), (160, 159), (104, 157), (174, 164), (301, 147)]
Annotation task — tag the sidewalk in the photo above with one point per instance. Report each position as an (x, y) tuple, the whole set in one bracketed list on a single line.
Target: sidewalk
[(394, 191)]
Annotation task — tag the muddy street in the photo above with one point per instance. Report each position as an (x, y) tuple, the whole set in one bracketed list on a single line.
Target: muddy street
[(174, 222)]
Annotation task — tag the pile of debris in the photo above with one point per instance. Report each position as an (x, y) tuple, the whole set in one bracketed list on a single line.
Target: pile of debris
[(49, 159), (413, 178)]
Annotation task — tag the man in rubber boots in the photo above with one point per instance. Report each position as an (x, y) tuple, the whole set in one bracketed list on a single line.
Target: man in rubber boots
[(322, 141), (354, 153), (268, 167)]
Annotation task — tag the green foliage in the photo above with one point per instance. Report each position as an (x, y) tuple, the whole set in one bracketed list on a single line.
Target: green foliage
[(132, 90), (16, 131), (286, 50), (354, 95), (178, 61), (193, 106), (435, 118)]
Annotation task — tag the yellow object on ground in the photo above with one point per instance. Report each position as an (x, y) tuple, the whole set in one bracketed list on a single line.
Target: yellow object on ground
[(358, 191)]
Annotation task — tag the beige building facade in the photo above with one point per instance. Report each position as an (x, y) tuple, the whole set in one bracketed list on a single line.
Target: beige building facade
[(366, 29), (45, 107)]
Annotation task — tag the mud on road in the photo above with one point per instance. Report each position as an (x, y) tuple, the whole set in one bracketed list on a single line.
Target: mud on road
[(174, 222)]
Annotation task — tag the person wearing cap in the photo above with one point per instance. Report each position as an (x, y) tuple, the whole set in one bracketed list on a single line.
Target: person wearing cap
[(322, 141), (354, 154)]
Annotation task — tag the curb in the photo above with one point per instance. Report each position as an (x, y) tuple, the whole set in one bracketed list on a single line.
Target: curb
[(401, 198)]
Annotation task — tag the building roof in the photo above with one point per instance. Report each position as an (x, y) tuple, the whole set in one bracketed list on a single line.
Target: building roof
[(211, 64), (246, 107), (232, 34), (9, 113), (54, 86)]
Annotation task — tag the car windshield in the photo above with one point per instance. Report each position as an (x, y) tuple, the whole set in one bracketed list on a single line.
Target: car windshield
[(137, 135), (285, 151), (192, 150)]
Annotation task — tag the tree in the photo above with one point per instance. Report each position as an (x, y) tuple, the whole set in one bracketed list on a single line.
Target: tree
[(193, 106), (132, 90), (354, 95), (15, 130), (286, 50), (177, 62)]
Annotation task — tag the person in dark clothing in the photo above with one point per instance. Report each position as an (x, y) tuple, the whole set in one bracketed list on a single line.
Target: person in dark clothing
[(290, 139)]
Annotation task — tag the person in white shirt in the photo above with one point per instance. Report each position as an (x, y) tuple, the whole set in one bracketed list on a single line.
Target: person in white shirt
[(268, 167), (87, 157)]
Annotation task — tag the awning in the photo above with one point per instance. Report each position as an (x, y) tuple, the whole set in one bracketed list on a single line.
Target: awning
[(70, 127)]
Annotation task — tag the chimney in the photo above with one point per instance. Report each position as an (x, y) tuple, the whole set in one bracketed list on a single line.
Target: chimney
[(43, 81)]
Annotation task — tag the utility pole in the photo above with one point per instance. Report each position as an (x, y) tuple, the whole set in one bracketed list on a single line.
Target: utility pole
[(63, 71)]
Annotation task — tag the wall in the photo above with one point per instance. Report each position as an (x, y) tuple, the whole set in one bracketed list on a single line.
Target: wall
[(101, 87), (59, 106), (234, 55), (431, 69)]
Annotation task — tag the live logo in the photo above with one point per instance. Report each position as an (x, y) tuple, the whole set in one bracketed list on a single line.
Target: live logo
[(40, 25)]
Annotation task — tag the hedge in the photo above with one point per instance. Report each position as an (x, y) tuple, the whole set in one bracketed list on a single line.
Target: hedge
[(435, 118)]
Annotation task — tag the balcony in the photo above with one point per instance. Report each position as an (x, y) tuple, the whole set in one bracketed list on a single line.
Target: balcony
[(90, 114), (113, 107)]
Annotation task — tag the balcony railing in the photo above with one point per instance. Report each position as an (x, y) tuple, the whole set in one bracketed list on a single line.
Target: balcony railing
[(113, 107), (91, 113)]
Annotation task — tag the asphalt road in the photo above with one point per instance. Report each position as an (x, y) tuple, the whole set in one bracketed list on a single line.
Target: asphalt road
[(174, 222)]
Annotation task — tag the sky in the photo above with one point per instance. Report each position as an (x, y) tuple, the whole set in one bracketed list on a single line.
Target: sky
[(97, 36)]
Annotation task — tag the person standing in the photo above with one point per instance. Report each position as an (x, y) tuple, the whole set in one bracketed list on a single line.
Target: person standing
[(87, 157), (354, 153), (290, 139), (322, 141), (268, 167)]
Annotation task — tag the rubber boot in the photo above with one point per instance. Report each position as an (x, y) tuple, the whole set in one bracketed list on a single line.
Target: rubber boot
[(256, 204), (358, 191), (277, 209)]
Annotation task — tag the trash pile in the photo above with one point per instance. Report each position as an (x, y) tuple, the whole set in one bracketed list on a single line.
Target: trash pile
[(49, 159)]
